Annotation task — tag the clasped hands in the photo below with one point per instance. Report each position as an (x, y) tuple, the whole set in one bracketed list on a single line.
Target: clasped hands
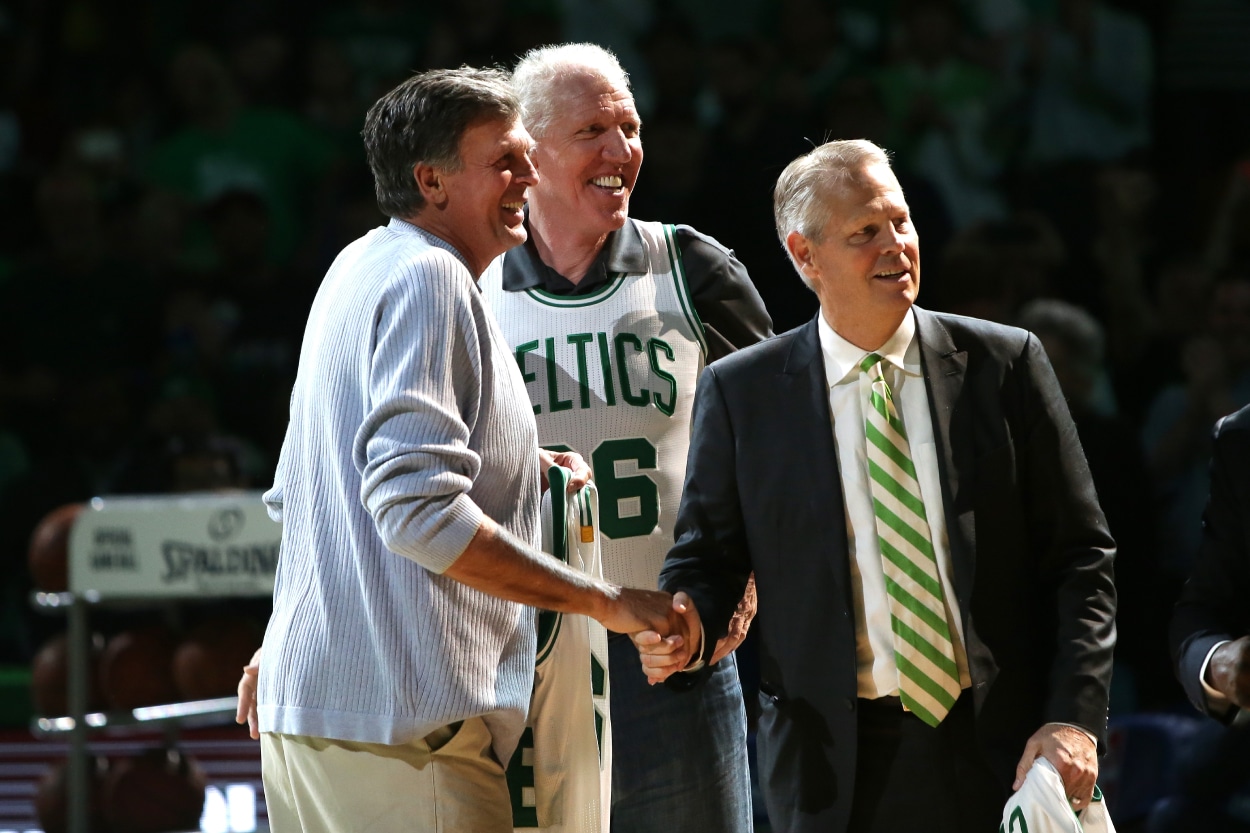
[(665, 628), (671, 646)]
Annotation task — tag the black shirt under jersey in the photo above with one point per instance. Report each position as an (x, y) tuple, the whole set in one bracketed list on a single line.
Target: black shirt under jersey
[(726, 301)]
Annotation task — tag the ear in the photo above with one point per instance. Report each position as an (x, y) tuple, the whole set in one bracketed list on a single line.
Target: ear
[(430, 182), (800, 249)]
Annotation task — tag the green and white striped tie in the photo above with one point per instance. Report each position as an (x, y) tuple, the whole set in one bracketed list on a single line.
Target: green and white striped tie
[(927, 674)]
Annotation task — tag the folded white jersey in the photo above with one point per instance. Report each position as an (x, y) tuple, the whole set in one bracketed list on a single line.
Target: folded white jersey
[(560, 777), (1041, 806)]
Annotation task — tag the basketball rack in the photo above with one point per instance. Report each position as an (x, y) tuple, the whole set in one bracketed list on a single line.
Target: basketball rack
[(136, 551)]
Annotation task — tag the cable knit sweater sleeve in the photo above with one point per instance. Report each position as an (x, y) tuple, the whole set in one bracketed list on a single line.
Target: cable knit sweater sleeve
[(424, 384)]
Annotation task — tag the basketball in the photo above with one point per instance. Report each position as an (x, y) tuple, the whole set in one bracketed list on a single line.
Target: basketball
[(52, 797), (136, 668), (210, 659), (49, 677), (48, 556), (158, 791)]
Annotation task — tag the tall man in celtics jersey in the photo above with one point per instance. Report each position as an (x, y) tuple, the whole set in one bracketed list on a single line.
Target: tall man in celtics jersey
[(612, 320)]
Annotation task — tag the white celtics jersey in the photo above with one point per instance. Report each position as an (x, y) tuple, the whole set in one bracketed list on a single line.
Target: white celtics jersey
[(611, 374), (1041, 806), (560, 776)]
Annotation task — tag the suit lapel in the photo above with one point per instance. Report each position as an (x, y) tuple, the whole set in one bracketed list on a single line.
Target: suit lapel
[(809, 430), (944, 366)]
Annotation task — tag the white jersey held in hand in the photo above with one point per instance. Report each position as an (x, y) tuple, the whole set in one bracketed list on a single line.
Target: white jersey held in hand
[(1041, 806), (560, 777)]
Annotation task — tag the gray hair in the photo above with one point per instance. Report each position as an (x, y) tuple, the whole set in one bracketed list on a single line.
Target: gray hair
[(801, 196), (422, 121), (538, 71)]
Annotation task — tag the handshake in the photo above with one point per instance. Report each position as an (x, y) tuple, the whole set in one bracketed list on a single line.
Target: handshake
[(672, 640), (664, 628)]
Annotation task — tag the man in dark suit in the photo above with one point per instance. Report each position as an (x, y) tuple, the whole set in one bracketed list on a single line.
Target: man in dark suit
[(1210, 641), (887, 470), (1210, 633)]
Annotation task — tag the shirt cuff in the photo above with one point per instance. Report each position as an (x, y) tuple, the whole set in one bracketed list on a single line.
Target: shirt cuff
[(700, 662), (1216, 701), (1086, 732)]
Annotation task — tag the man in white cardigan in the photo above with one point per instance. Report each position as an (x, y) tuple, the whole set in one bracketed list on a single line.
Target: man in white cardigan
[(399, 656)]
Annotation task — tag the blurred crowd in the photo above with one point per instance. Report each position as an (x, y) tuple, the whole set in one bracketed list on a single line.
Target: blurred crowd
[(175, 176)]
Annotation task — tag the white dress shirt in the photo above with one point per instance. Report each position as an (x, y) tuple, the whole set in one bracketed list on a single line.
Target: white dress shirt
[(877, 673)]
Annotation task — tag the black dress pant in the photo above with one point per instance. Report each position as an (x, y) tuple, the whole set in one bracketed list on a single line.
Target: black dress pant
[(913, 777)]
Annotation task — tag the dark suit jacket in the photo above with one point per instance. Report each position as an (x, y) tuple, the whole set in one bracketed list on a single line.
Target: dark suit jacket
[(1030, 548), (1215, 603)]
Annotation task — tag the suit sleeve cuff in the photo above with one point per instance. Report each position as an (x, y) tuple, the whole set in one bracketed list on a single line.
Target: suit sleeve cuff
[(1216, 701), (698, 662), (1086, 732)]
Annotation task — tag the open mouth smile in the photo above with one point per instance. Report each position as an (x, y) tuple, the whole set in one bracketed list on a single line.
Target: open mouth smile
[(612, 182)]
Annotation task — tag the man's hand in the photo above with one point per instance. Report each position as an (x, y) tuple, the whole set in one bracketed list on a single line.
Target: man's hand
[(664, 656), (739, 624), (632, 610), (1074, 755), (571, 460), (1229, 671), (246, 712)]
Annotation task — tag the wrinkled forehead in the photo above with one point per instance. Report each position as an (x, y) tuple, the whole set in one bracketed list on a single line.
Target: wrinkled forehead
[(494, 136), (582, 95)]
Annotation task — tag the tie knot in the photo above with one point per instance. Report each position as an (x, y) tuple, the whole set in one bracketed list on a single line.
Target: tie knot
[(872, 360)]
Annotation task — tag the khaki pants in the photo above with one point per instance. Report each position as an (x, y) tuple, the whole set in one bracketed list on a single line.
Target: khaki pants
[(447, 782)]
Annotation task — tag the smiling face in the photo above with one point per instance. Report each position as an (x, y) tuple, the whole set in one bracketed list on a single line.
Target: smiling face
[(588, 155), (478, 208), (865, 266)]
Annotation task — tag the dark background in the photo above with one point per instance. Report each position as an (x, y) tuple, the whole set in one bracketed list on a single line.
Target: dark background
[(176, 176)]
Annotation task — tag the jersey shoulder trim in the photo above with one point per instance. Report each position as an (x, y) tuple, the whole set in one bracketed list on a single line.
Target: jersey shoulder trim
[(683, 288)]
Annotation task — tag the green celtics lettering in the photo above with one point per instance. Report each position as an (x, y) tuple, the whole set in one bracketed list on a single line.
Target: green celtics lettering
[(618, 364)]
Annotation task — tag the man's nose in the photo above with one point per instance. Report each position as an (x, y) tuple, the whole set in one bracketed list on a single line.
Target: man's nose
[(526, 172), (616, 147), (893, 240)]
